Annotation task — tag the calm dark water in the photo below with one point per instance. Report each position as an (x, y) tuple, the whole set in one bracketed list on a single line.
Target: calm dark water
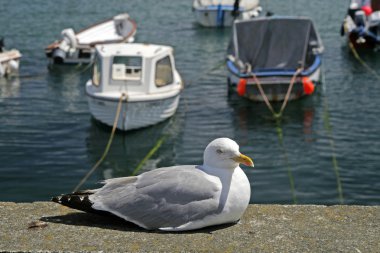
[(329, 153)]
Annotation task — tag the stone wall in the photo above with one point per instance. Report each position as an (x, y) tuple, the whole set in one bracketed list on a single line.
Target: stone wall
[(49, 227)]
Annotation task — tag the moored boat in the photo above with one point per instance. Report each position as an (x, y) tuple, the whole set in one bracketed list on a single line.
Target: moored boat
[(221, 13), (362, 24), (79, 48), (142, 77), (270, 57), (9, 60)]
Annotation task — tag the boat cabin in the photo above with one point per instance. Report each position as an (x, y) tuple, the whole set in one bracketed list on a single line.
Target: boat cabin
[(133, 68)]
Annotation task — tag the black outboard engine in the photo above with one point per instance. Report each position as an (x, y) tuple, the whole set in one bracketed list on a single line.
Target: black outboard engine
[(1, 44), (235, 12), (58, 56), (360, 18)]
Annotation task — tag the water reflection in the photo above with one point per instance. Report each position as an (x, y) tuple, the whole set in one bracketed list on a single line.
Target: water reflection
[(9, 87), (287, 151), (133, 152)]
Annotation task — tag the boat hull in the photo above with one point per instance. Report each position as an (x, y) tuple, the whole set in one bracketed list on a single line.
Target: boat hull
[(363, 42), (361, 36), (133, 115), (214, 17), (274, 87), (84, 51), (9, 62)]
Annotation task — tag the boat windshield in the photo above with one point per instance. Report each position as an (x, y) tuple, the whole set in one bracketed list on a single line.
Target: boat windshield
[(126, 68), (164, 72), (96, 72)]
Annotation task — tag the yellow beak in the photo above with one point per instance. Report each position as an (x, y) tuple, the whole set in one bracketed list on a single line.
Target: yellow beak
[(244, 160)]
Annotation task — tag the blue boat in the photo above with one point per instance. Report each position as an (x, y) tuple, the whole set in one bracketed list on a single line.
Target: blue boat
[(274, 58)]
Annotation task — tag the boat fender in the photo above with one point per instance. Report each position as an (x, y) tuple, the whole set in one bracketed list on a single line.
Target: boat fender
[(367, 10), (241, 87), (308, 85)]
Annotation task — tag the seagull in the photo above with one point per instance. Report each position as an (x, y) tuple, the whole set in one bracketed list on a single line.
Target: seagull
[(177, 198)]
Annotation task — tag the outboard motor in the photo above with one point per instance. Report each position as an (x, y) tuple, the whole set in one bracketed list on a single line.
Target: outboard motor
[(235, 12), (1, 44), (360, 18), (122, 25), (67, 46)]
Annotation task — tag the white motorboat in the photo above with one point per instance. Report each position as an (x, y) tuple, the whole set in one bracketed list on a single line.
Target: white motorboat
[(76, 48), (143, 76), (362, 24), (9, 60), (221, 13)]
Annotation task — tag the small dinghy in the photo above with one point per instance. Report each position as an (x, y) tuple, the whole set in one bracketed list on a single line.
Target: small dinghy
[(273, 56), (142, 77), (79, 48), (221, 13), (9, 60), (362, 24)]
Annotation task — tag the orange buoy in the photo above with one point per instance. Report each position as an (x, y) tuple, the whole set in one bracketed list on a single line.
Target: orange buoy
[(241, 87), (308, 85)]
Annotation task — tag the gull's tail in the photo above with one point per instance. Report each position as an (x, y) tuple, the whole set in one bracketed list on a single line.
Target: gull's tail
[(78, 200)]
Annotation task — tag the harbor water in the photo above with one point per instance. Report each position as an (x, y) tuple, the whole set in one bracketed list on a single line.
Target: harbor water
[(326, 150)]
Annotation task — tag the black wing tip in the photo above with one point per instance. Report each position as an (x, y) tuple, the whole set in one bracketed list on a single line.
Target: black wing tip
[(56, 199), (80, 201), (76, 200)]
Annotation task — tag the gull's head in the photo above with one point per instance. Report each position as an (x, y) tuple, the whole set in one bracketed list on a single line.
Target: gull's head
[(224, 153)]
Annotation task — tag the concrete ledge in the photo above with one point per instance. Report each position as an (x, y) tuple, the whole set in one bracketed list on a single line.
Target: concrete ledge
[(264, 228)]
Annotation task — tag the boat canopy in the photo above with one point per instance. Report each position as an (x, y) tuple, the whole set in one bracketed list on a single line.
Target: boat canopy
[(274, 43), (246, 4)]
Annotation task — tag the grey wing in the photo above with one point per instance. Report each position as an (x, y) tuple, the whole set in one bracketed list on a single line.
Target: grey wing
[(166, 197)]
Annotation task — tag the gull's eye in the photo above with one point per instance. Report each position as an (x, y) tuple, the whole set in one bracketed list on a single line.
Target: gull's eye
[(219, 151)]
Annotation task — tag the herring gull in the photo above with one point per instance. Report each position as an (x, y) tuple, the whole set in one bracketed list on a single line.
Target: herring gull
[(176, 198)]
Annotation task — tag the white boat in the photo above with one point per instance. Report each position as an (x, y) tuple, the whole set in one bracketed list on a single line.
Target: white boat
[(9, 60), (79, 48), (146, 77), (220, 13), (362, 24)]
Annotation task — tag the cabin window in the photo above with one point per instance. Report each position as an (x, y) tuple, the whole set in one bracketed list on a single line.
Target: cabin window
[(164, 72), (96, 72), (126, 68)]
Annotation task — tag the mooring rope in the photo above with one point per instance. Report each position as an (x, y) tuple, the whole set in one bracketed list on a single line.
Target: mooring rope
[(149, 155), (285, 153), (122, 98), (287, 96), (361, 61), (328, 129)]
